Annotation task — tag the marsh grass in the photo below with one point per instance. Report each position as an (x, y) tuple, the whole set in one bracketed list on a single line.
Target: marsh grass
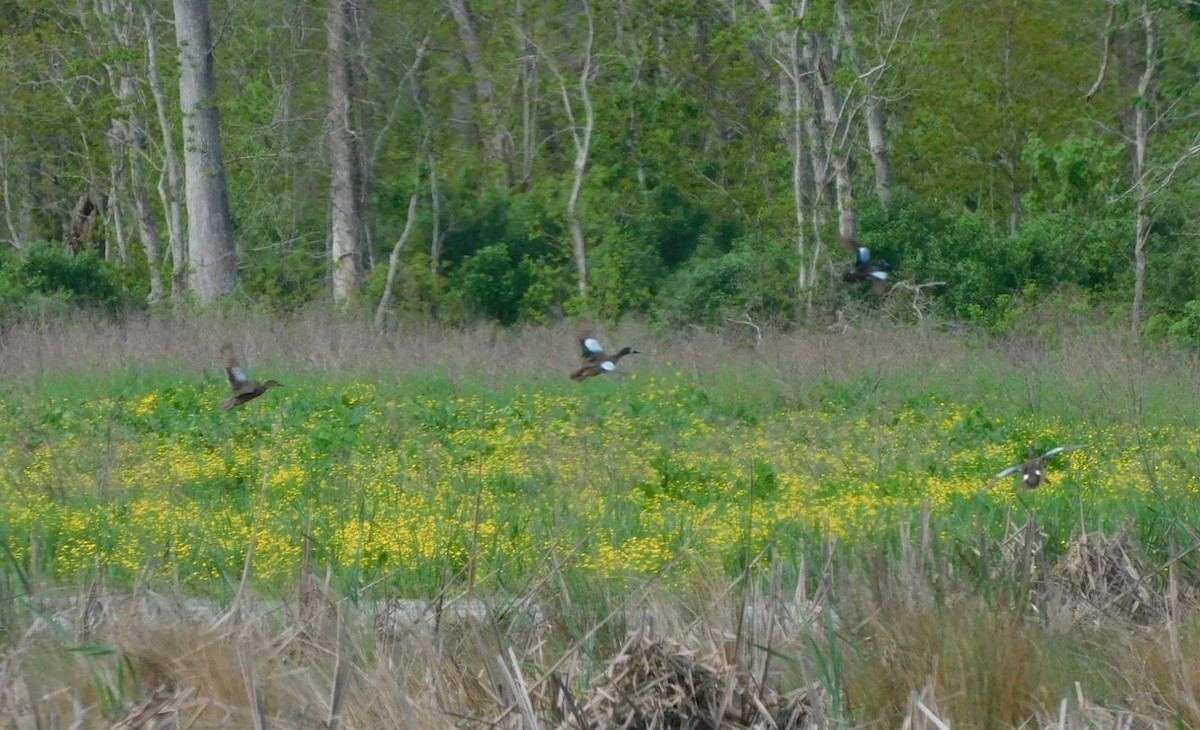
[(797, 519)]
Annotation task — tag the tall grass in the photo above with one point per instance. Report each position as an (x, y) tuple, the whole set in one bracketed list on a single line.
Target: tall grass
[(803, 513)]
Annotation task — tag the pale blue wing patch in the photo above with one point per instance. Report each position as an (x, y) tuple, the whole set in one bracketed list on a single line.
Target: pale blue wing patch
[(608, 367), (1009, 471), (239, 375), (879, 275), (1060, 450), (592, 345)]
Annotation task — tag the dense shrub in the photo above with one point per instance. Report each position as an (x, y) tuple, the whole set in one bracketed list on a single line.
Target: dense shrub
[(46, 274), (756, 277)]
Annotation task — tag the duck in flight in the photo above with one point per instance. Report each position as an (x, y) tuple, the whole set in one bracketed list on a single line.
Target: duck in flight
[(1033, 471), (863, 269), (595, 362), (243, 388)]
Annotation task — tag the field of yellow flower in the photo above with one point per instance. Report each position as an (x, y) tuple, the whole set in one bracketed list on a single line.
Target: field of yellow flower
[(405, 485)]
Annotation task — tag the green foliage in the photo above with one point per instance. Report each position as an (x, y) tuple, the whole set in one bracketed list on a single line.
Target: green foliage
[(286, 281), (551, 285), (626, 275), (690, 154), (489, 284), (757, 277), (380, 477), (46, 274), (1182, 330), (1081, 173)]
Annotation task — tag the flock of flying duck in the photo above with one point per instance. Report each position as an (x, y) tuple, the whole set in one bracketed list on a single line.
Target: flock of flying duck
[(596, 362)]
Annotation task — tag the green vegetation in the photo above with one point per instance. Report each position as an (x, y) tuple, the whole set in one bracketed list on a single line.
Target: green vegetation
[(1011, 185), (815, 500), (809, 507), (400, 483)]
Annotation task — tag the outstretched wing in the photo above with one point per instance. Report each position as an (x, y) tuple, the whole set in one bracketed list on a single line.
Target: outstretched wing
[(237, 377), (862, 254), (1000, 477), (1061, 450), (590, 347)]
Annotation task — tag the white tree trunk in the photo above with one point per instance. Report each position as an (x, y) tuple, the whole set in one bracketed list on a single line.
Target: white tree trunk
[(835, 125), (529, 99), (15, 238), (128, 137), (870, 79), (583, 146), (877, 144), (1141, 141), (435, 204), (147, 220), (345, 221), (581, 136), (173, 193), (794, 90), (394, 262), (115, 242), (211, 251)]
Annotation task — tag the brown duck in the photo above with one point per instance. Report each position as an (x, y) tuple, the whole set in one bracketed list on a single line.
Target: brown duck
[(241, 385), (595, 362), (1033, 471), (863, 269)]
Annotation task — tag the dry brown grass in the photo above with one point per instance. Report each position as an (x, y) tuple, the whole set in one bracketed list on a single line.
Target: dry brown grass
[(836, 650), (871, 354)]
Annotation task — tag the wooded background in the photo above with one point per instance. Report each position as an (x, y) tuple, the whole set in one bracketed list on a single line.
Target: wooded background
[(688, 161)]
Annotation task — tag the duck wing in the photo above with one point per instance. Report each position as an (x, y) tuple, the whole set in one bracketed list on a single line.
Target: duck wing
[(862, 254), (1061, 450), (591, 349), (238, 379), (1000, 477)]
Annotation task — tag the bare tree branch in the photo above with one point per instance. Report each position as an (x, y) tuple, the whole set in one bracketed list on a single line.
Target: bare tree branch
[(1108, 36)]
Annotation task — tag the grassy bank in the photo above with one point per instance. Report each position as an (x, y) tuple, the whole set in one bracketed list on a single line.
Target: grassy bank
[(828, 481)]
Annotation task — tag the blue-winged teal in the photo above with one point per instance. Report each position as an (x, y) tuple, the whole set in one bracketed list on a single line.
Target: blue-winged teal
[(240, 383), (595, 362), (863, 269), (1033, 471)]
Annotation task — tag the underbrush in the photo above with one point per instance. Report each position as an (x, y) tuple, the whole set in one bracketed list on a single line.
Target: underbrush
[(1095, 640)]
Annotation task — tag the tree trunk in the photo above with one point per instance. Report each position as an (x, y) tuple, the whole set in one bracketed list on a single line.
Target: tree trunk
[(529, 96), (128, 139), (173, 192), (16, 239), (1141, 141), (796, 97), (496, 138), (394, 262), (345, 219), (115, 228), (147, 220), (876, 137), (583, 146), (877, 144), (435, 204), (792, 55), (211, 250), (836, 132)]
